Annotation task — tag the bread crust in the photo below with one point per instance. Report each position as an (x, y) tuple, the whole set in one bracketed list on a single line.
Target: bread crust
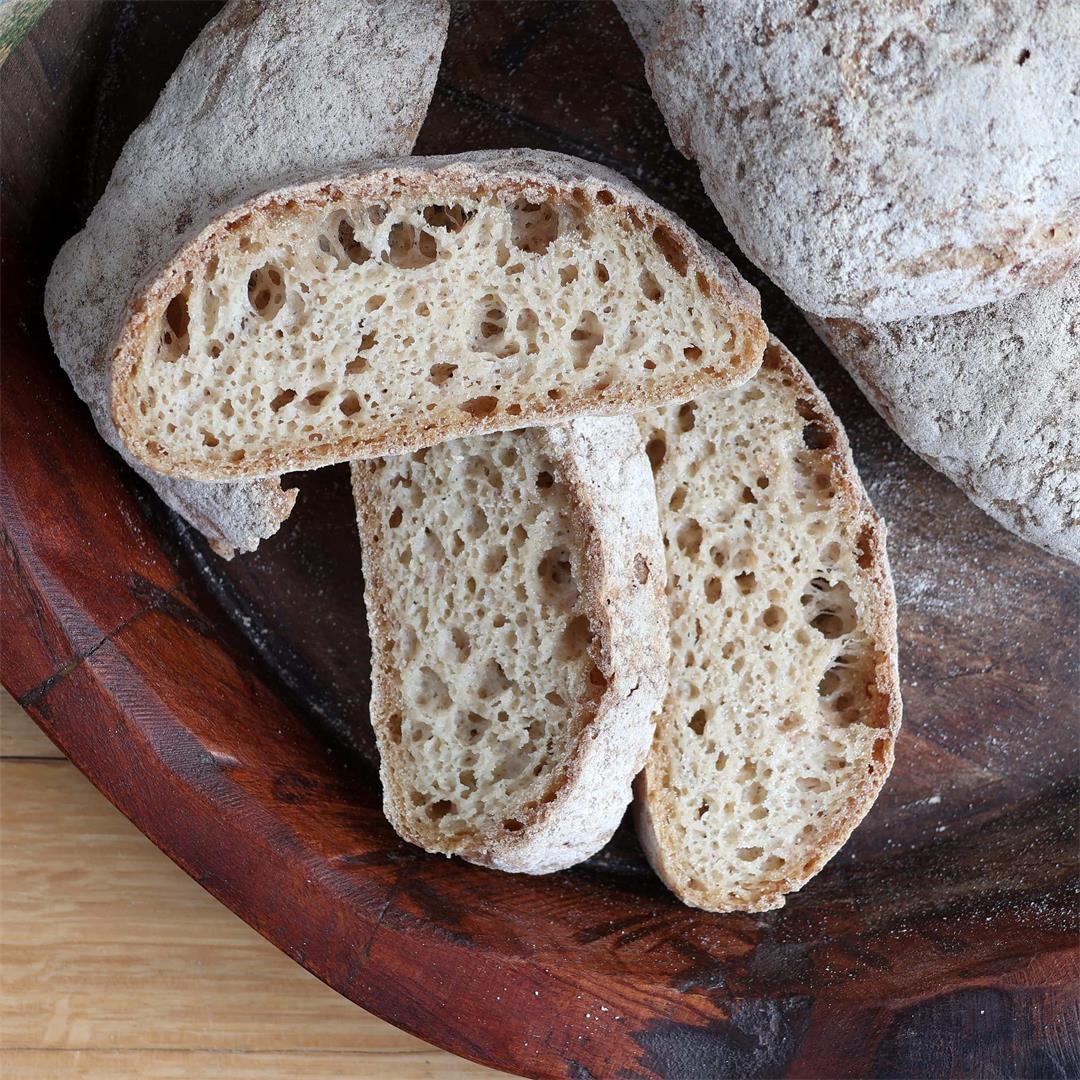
[(614, 520), (653, 800), (816, 130), (990, 397), (265, 90), (532, 174)]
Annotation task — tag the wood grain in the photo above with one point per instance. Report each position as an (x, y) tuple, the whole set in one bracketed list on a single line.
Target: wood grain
[(221, 707), (115, 963)]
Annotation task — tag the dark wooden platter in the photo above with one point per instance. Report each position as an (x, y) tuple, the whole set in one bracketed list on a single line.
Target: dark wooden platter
[(222, 706)]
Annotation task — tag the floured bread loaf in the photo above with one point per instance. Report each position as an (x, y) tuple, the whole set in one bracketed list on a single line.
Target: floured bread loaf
[(514, 589), (420, 300), (266, 90), (783, 703), (880, 160), (990, 397)]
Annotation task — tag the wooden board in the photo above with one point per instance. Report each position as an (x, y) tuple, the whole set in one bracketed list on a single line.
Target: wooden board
[(222, 706), (116, 964)]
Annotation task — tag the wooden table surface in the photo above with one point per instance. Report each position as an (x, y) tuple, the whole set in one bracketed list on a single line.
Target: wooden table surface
[(115, 964)]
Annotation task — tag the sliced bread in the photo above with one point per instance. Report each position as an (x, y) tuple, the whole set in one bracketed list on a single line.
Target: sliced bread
[(421, 300), (514, 589), (783, 704), (267, 89)]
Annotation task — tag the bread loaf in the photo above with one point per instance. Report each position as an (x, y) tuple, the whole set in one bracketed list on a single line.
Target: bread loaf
[(421, 300), (514, 589), (266, 90), (991, 398), (783, 702), (880, 160)]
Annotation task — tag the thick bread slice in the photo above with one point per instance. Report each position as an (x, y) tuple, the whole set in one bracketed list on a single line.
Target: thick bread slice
[(990, 397), (266, 90), (421, 300), (514, 586), (784, 701)]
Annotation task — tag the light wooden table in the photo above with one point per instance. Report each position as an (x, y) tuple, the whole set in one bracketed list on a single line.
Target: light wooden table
[(114, 964)]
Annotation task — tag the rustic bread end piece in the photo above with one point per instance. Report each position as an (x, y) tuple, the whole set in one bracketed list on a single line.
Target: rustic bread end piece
[(514, 588), (784, 702), (422, 300)]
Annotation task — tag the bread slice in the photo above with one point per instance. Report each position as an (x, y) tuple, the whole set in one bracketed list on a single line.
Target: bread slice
[(417, 301), (784, 703), (514, 588), (266, 89)]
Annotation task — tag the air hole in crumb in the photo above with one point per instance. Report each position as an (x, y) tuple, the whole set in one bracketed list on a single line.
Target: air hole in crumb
[(604, 197), (670, 248), (689, 537), (697, 722), (350, 404), (266, 292), (480, 407), (656, 449), (354, 251), (703, 284), (749, 854), (409, 249), (773, 617), (678, 498), (1022, 59), (316, 398), (863, 546), (773, 862), (395, 518), (585, 337), (176, 316), (703, 809), (544, 479), (602, 274), (746, 582), (451, 218), (641, 569), (557, 575), (692, 353), (513, 825), (533, 226), (282, 399), (568, 274), (394, 727), (438, 810), (650, 287), (713, 589), (576, 638), (440, 373)]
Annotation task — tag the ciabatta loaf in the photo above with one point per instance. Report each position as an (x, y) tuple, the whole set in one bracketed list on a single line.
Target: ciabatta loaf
[(417, 301), (817, 125), (783, 703), (514, 588), (267, 89), (990, 397)]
